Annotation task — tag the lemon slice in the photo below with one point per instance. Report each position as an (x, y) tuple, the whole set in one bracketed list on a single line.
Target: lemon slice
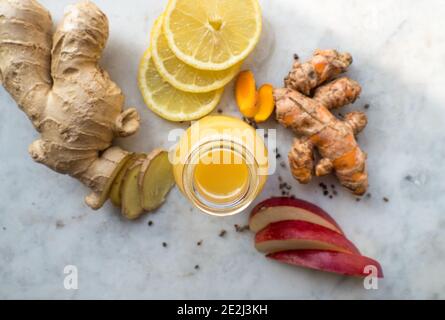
[(169, 102), (212, 34), (181, 75)]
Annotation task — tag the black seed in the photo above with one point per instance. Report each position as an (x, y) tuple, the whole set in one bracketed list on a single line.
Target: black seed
[(150, 223), (366, 106), (385, 199), (325, 193), (164, 244), (199, 243), (197, 267), (222, 233), (241, 228)]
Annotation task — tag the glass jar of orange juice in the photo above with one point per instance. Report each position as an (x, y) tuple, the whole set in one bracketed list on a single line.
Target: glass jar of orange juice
[(220, 164)]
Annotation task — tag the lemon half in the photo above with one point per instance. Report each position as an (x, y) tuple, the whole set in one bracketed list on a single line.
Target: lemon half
[(167, 101), (212, 34), (181, 75)]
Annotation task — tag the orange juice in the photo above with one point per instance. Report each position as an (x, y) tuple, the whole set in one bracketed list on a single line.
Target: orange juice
[(221, 164), (218, 179)]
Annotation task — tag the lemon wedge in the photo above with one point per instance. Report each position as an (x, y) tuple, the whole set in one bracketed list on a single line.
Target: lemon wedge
[(167, 101), (212, 34), (181, 75)]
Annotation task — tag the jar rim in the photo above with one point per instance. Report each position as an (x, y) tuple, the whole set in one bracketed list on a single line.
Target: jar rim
[(224, 208)]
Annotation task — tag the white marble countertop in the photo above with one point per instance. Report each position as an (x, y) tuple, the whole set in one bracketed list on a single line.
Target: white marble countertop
[(399, 50)]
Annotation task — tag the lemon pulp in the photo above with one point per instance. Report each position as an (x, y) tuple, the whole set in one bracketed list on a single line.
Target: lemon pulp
[(181, 75), (212, 34), (167, 101)]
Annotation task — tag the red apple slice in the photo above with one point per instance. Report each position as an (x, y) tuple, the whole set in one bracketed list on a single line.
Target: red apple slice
[(330, 261), (295, 234), (282, 209)]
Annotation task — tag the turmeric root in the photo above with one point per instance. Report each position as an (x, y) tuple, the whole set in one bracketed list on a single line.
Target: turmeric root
[(324, 65), (246, 94), (258, 105), (316, 127), (338, 93), (71, 101), (265, 103)]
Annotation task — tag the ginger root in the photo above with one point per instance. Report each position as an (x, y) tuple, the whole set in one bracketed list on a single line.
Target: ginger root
[(317, 128), (71, 101)]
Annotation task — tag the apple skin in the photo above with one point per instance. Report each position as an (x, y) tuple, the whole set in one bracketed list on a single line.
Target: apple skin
[(304, 209), (296, 234), (329, 261)]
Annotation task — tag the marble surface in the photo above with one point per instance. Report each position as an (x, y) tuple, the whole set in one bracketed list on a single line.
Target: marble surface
[(398, 48)]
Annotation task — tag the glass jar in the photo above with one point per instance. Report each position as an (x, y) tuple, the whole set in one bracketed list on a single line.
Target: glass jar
[(221, 165)]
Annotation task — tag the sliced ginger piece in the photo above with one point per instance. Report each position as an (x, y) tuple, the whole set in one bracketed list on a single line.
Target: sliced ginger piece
[(265, 103), (246, 94), (155, 179), (104, 171), (130, 195), (115, 192)]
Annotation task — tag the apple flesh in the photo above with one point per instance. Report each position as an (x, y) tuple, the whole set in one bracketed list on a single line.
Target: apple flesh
[(282, 209), (330, 261), (297, 235)]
